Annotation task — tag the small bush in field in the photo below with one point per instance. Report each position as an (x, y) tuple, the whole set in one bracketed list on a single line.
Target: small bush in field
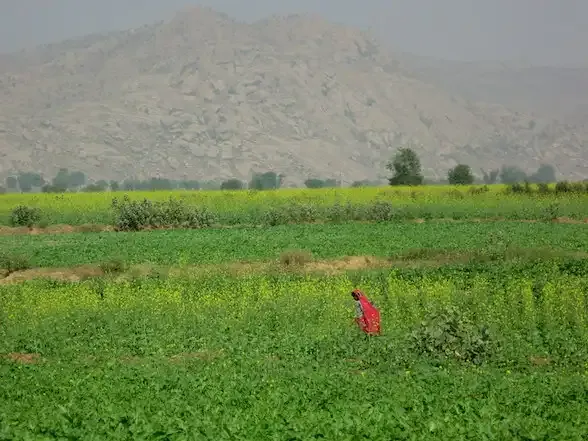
[(113, 266), (295, 257), (10, 263), (24, 216)]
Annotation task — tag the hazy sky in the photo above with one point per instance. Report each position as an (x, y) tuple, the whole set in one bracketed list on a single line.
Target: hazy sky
[(536, 31)]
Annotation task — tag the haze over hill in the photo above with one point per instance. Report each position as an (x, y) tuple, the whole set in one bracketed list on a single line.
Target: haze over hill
[(203, 96)]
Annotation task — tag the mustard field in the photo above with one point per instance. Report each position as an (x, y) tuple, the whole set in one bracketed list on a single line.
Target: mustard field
[(228, 315), (247, 207)]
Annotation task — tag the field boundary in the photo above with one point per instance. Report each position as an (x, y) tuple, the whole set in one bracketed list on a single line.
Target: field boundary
[(102, 228), (414, 258)]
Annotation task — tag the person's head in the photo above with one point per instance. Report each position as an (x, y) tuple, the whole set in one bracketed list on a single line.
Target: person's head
[(355, 294)]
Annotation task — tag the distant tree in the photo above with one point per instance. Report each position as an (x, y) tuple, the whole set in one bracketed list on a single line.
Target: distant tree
[(27, 181), (491, 177), (76, 179), (102, 184), (114, 186), (61, 180), (512, 175), (461, 174), (11, 183), (157, 184), (406, 166), (545, 174), (2, 190), (314, 183), (232, 184), (266, 181)]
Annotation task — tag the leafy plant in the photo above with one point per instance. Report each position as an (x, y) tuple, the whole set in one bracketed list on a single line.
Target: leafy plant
[(24, 216)]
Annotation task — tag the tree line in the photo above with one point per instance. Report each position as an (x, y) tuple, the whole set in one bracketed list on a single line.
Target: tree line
[(405, 166)]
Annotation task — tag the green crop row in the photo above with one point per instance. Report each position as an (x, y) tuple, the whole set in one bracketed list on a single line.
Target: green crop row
[(495, 351), (214, 246), (196, 209)]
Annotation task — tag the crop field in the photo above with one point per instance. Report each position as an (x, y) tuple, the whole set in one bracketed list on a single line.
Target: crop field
[(484, 319), (251, 207), (499, 353), (215, 246)]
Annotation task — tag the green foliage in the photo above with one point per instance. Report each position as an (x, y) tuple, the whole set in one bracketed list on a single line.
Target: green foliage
[(232, 184), (449, 332), (320, 183), (24, 216), (512, 175), (10, 263), (27, 181), (406, 166), (266, 181), (461, 174), (113, 266), (278, 355), (12, 183), (544, 174), (130, 215)]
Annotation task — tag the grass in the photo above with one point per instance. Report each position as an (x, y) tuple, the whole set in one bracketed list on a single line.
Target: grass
[(278, 357), (251, 207), (214, 246)]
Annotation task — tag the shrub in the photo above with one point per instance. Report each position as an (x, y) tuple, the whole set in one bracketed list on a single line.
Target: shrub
[(450, 333), (11, 263), (24, 216), (113, 266), (137, 215), (295, 257), (562, 187), (380, 211)]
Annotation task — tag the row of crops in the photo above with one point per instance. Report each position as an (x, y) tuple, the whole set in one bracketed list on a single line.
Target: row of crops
[(496, 351), (202, 208), (217, 246)]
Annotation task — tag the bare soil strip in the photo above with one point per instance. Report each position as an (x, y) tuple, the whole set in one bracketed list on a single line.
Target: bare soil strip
[(97, 228), (409, 258)]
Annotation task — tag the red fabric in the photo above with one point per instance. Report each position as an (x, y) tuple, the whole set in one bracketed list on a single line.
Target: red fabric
[(369, 322)]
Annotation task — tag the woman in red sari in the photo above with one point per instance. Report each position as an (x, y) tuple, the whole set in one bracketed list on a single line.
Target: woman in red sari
[(367, 316)]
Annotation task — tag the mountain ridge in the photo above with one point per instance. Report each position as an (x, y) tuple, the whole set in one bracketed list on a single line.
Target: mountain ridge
[(203, 96)]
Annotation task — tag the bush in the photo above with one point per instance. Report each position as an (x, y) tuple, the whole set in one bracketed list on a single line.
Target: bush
[(11, 263), (295, 257), (450, 333), (113, 266), (23, 216), (380, 211), (138, 215)]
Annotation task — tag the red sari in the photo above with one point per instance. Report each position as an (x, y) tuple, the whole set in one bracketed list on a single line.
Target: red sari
[(368, 318)]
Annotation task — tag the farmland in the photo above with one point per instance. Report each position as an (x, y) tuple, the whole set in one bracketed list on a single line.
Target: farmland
[(254, 207), (484, 322)]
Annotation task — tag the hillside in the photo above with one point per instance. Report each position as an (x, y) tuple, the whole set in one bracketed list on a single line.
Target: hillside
[(203, 96)]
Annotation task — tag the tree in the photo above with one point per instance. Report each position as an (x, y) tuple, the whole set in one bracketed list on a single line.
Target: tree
[(28, 180), (232, 184), (407, 168), (545, 174), (512, 175), (314, 183), (461, 174), (490, 178), (114, 186), (11, 183), (266, 181)]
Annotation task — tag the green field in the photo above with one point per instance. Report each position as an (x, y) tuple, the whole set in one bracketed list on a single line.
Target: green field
[(484, 328), (254, 207), (215, 246)]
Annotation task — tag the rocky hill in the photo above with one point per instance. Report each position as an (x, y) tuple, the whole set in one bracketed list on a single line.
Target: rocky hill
[(203, 97)]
